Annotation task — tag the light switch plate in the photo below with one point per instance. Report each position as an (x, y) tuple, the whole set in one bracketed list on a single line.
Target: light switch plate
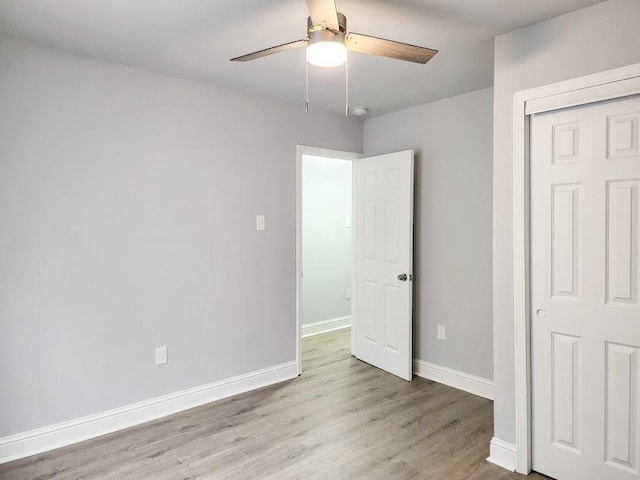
[(161, 355), (442, 332), (260, 222)]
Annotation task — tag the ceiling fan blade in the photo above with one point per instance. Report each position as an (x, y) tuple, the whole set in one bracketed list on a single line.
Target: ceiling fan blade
[(271, 51), (388, 48), (323, 13)]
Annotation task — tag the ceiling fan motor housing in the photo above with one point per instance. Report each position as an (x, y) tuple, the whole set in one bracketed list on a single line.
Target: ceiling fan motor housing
[(319, 33)]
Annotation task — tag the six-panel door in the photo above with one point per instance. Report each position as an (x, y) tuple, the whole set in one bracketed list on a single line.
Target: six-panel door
[(384, 253), (585, 312)]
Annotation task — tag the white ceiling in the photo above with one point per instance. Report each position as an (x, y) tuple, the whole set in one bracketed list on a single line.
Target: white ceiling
[(195, 38)]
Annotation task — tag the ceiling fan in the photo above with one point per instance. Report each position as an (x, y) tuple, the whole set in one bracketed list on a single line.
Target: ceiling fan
[(328, 41)]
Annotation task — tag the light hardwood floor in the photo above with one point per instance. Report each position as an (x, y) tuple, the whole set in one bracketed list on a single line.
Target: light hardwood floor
[(342, 419)]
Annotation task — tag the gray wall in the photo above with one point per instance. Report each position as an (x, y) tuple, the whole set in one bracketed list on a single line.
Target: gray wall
[(127, 210), (601, 37), (326, 238), (452, 138)]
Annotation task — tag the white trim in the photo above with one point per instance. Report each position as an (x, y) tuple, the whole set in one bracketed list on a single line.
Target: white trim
[(608, 77), (66, 433), (503, 454), (354, 263), (454, 378), (325, 326), (522, 354), (600, 85), (584, 96), (318, 152)]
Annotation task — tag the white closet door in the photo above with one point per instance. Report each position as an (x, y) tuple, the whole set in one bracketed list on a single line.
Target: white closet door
[(585, 318)]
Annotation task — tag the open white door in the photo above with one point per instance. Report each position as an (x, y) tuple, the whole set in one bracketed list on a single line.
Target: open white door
[(382, 308)]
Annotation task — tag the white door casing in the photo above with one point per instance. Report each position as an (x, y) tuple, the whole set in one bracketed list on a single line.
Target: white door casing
[(585, 281), (382, 309)]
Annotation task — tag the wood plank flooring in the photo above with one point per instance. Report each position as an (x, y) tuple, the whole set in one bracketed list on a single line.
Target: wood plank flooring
[(342, 419)]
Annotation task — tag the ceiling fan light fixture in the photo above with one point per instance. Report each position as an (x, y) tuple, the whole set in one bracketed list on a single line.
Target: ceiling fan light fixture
[(326, 53)]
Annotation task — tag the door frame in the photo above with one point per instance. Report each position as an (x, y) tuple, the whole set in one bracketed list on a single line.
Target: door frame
[(606, 85), (317, 152)]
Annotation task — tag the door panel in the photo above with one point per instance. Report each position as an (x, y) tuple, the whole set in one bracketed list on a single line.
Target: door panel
[(565, 391), (622, 271), (382, 326), (622, 421), (564, 252), (585, 317)]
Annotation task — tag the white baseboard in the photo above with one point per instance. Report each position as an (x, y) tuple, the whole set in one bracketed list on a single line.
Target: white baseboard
[(59, 435), (454, 378), (325, 326), (503, 454)]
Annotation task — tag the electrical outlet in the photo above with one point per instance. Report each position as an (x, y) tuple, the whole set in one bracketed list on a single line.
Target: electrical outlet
[(161, 355), (348, 293), (442, 332)]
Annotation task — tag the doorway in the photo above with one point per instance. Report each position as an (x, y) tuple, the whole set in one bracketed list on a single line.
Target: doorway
[(324, 243), (381, 259)]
